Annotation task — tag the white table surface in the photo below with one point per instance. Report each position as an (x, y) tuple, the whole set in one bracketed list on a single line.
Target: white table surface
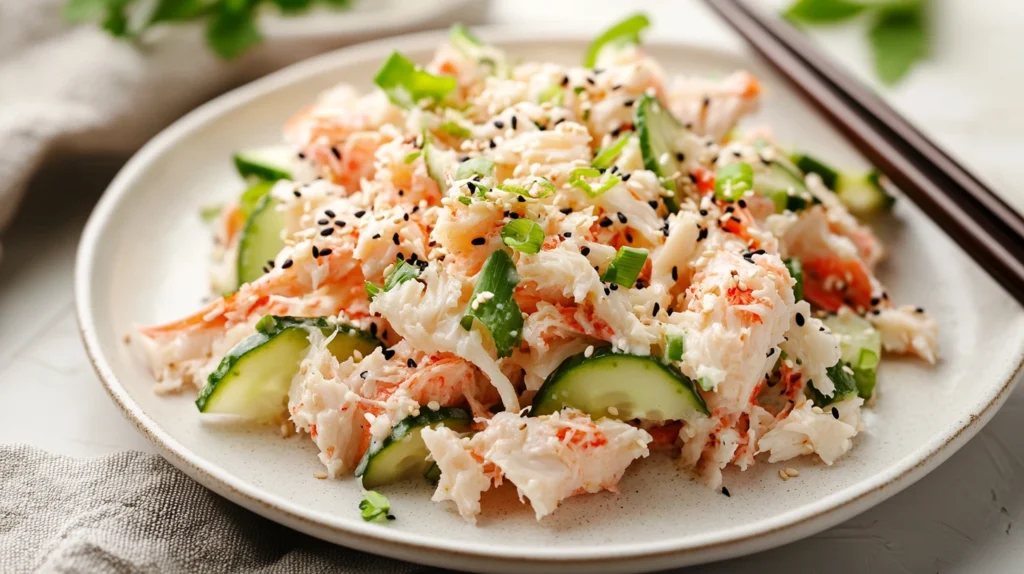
[(960, 518)]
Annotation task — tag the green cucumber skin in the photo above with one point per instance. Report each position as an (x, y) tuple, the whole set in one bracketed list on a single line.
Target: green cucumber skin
[(253, 253), (545, 398), (260, 338), (254, 169), (451, 417)]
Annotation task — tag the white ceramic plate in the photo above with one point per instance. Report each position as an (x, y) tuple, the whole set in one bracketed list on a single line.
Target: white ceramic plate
[(142, 260)]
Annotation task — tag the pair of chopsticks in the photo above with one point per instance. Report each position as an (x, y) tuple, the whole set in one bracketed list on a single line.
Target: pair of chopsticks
[(989, 230)]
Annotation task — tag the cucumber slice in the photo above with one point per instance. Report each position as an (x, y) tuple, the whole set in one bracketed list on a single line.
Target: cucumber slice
[(845, 384), (658, 131), (861, 347), (260, 241), (864, 195), (265, 164), (784, 186), (619, 386), (437, 161), (402, 454), (253, 379), (807, 164)]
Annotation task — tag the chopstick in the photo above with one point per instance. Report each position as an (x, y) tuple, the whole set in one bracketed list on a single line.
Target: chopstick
[(989, 230)]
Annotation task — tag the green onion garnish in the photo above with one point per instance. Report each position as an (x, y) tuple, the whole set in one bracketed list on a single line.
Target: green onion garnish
[(625, 267), (674, 347), (463, 40), (733, 180), (453, 128), (402, 272), (523, 235), (796, 271), (576, 179), (624, 33), (553, 94), (437, 160), (267, 324), (493, 305), (480, 166), (412, 157), (374, 505), (606, 158), (406, 84)]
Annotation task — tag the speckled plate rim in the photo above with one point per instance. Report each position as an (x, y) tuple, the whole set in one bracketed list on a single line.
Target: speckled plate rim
[(691, 549)]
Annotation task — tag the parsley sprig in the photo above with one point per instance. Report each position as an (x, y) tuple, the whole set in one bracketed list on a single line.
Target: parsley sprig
[(897, 29), (231, 25)]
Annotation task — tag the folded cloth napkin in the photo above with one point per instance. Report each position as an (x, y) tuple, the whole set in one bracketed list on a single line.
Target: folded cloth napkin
[(134, 512)]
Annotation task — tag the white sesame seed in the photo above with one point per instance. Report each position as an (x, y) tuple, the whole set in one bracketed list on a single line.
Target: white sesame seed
[(589, 351), (783, 475), (320, 475), (613, 411), (792, 472)]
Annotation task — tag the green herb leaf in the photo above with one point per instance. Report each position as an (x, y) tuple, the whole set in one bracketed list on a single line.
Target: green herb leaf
[(899, 39), (493, 305), (412, 157), (606, 158), (577, 179), (624, 33), (230, 33), (405, 83), (374, 505), (523, 235), (796, 271), (625, 267), (733, 180), (822, 11)]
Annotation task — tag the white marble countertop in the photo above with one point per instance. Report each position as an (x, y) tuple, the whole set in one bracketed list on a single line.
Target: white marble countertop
[(960, 518)]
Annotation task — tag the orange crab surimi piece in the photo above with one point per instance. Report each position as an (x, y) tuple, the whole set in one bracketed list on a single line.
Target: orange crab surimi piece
[(831, 283)]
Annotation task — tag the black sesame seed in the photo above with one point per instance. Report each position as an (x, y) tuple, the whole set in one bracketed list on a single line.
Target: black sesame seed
[(336, 153), (615, 132), (499, 124), (329, 213), (725, 491), (706, 102), (799, 320), (565, 80), (411, 363), (693, 178), (920, 309), (704, 212), (675, 273), (656, 309), (405, 217), (327, 231), (669, 311), (323, 221), (359, 213), (373, 329), (288, 263), (401, 192), (515, 122), (478, 241), (302, 155), (730, 209), (680, 156), (614, 287), (875, 301), (702, 234), (491, 144), (653, 203), (339, 223), (742, 203), (325, 252), (622, 217), (835, 413), (735, 219), (521, 199), (590, 81), (771, 352), (607, 291), (395, 240), (388, 353), (605, 222), (585, 251), (364, 374), (297, 193), (513, 215), (316, 252), (628, 103), (567, 234), (626, 176), (629, 238), (565, 210), (376, 236)]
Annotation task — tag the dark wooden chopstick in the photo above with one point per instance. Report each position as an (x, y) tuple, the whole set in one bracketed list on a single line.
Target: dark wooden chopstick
[(988, 229)]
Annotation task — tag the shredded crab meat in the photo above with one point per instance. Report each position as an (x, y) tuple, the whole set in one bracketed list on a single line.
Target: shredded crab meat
[(378, 187)]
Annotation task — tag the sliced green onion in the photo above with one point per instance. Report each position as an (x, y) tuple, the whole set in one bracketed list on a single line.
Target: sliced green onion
[(267, 324), (624, 33), (463, 40), (733, 180), (211, 213), (606, 158), (796, 271), (374, 505), (402, 272), (453, 128), (493, 305), (480, 166), (625, 267), (553, 94), (706, 384), (546, 189), (406, 84), (465, 200), (523, 235), (674, 347), (865, 373), (437, 161), (576, 179), (412, 157)]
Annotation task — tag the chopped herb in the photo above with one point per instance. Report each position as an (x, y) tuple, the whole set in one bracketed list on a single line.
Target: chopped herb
[(733, 180), (625, 266), (498, 312), (624, 33), (374, 505), (523, 235), (405, 83)]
